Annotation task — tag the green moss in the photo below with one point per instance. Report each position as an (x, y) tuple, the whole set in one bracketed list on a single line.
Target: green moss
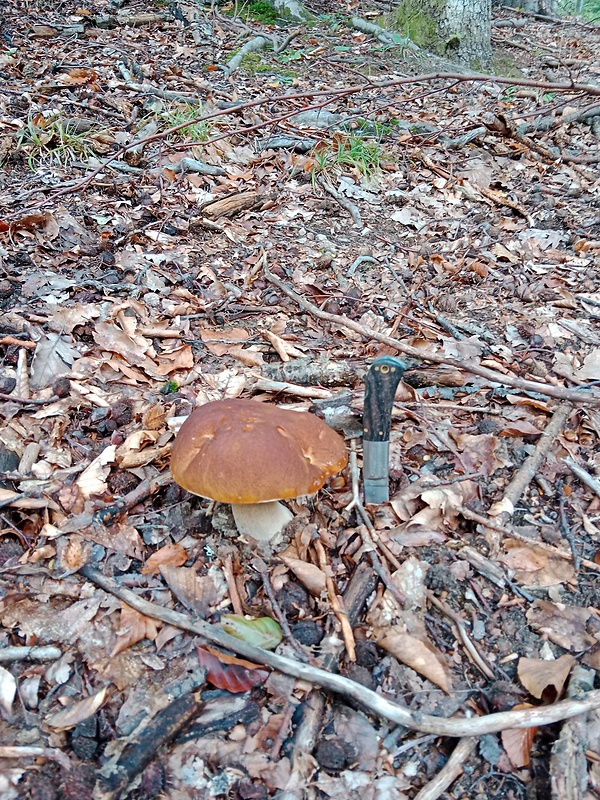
[(253, 64), (262, 11)]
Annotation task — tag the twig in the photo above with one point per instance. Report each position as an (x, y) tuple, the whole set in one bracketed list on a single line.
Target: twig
[(234, 595), (475, 369), (505, 508), (115, 777), (343, 201), (333, 94), (48, 653), (28, 401), (583, 475), (260, 566), (510, 533), (376, 703), (27, 751), (471, 649), (336, 601), (450, 772), (564, 523)]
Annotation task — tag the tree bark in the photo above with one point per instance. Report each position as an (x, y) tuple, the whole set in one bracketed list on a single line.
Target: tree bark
[(455, 29)]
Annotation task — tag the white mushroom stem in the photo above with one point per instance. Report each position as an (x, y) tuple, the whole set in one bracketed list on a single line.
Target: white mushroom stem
[(262, 521)]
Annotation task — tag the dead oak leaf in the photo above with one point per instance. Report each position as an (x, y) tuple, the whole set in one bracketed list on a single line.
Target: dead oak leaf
[(534, 566), (415, 653)]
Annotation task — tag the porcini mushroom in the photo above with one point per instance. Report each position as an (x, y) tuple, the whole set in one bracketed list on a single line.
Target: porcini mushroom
[(251, 455)]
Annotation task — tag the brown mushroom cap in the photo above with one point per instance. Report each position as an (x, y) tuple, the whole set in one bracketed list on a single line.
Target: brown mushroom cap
[(244, 451)]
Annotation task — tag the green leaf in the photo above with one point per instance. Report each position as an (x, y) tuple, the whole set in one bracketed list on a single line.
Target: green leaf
[(263, 632)]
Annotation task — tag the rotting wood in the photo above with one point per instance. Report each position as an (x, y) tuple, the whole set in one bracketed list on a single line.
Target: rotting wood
[(115, 777)]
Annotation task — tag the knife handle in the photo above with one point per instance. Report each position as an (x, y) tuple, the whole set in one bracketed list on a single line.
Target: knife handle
[(381, 382)]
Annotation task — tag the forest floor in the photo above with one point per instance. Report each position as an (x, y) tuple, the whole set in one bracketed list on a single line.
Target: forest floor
[(317, 206)]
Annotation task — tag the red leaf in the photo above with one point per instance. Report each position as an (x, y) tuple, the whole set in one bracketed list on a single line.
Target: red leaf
[(232, 677)]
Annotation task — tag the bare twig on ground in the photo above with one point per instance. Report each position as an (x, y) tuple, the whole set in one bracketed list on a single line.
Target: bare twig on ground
[(475, 369), (115, 777), (583, 475), (376, 703), (350, 207), (329, 95), (27, 751), (46, 653), (336, 601), (489, 522), (450, 772), (505, 508), (260, 566)]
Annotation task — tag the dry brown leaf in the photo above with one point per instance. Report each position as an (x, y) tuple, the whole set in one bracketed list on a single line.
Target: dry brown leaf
[(172, 555), (540, 677), (309, 575), (180, 358), (534, 566), (93, 479), (71, 716), (133, 627), (519, 427), (196, 592), (517, 743), (419, 655), (563, 625), (154, 418)]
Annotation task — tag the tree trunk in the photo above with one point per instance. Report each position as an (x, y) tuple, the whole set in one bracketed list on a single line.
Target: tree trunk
[(456, 29)]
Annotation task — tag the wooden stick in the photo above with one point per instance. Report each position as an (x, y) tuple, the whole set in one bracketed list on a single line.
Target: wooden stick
[(490, 374), (374, 702)]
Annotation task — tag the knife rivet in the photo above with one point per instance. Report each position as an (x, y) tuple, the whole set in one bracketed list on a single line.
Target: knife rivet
[(385, 369)]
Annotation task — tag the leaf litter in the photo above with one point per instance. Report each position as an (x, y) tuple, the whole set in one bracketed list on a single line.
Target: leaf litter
[(143, 293)]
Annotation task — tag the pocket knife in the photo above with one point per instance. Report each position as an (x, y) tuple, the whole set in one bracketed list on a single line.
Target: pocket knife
[(381, 382)]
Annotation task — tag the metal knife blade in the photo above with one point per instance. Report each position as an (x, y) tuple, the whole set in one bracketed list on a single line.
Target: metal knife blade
[(381, 382)]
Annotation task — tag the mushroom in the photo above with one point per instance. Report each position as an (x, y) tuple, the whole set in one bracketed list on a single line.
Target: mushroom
[(251, 455)]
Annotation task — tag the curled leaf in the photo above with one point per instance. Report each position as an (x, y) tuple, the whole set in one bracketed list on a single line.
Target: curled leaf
[(263, 632), (226, 672)]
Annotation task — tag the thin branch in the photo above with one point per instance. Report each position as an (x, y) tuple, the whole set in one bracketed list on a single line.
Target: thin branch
[(374, 702), (475, 369)]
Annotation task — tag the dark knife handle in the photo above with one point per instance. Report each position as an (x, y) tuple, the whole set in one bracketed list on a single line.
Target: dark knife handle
[(381, 382)]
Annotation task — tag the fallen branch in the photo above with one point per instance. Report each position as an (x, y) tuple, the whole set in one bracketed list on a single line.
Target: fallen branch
[(505, 508), (385, 37), (451, 770), (374, 702), (490, 374), (329, 96), (344, 202)]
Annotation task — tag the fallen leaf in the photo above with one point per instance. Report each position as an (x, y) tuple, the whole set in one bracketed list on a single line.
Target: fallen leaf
[(8, 690), (309, 575), (229, 676), (517, 743), (545, 677), (133, 627), (263, 632), (172, 555), (71, 716)]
